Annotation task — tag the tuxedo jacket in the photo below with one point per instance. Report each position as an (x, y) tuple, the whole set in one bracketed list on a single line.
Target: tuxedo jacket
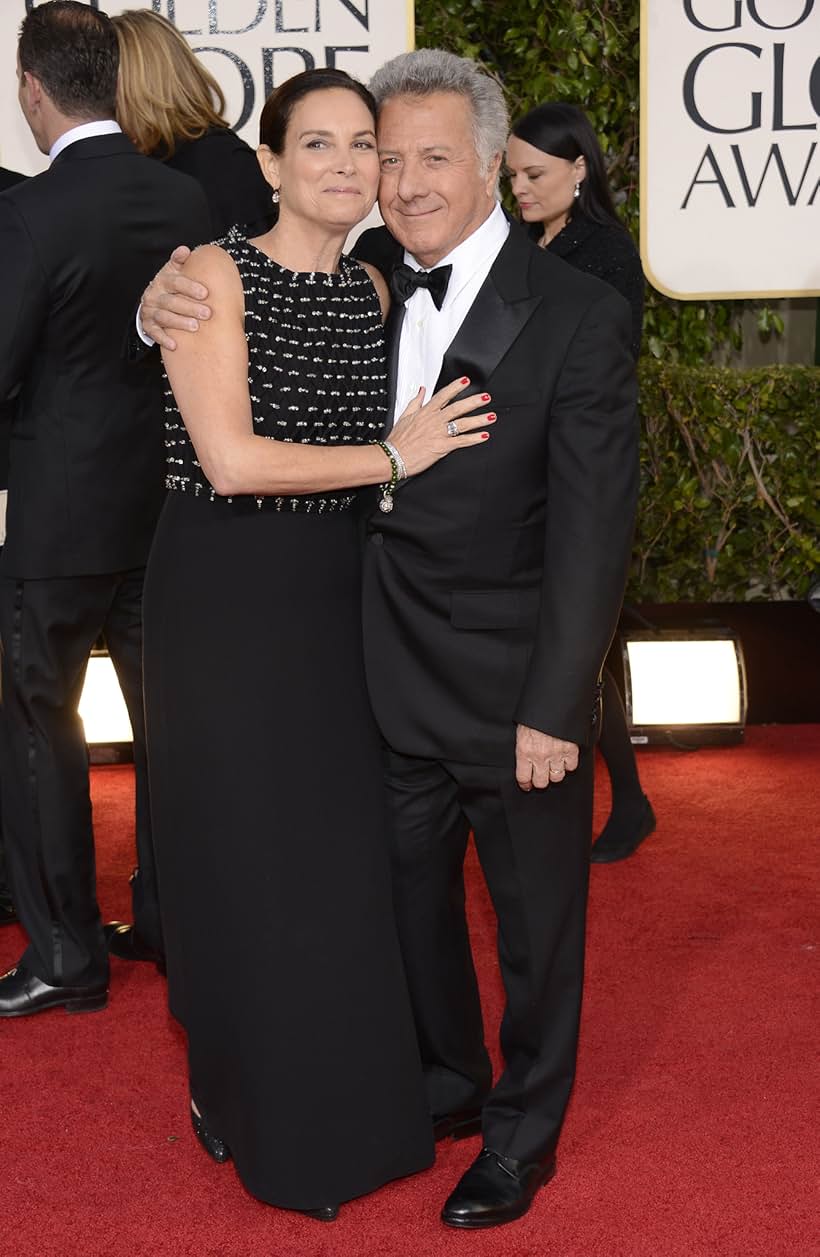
[(492, 589), (237, 192), (78, 244), (8, 178)]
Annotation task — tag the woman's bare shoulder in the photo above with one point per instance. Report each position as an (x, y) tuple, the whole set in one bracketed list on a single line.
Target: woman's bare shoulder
[(209, 264)]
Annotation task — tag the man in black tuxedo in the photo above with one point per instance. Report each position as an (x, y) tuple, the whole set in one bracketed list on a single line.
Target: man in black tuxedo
[(8, 916), (86, 481), (491, 593)]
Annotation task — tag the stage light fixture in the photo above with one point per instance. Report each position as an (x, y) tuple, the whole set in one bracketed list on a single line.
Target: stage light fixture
[(103, 712), (685, 686)]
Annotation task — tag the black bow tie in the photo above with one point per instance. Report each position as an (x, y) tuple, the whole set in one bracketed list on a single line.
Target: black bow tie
[(404, 281)]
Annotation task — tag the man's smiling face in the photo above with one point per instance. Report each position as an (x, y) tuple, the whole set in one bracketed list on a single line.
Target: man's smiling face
[(432, 193)]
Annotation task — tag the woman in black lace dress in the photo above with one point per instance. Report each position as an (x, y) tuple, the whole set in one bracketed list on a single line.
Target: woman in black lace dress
[(266, 782), (558, 178)]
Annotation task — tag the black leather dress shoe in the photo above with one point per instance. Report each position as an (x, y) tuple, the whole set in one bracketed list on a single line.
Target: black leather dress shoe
[(458, 1125), (495, 1190), (22, 993), (623, 833), (124, 942)]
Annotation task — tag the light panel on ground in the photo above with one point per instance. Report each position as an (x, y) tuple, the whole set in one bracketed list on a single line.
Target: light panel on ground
[(687, 686), (102, 706), (684, 682)]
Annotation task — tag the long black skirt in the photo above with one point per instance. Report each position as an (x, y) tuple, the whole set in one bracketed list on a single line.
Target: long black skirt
[(266, 795)]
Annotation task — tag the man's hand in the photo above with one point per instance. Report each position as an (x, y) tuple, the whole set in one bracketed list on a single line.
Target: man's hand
[(171, 300), (542, 760)]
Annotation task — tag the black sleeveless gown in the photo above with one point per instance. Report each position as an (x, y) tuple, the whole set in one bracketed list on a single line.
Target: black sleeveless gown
[(266, 785)]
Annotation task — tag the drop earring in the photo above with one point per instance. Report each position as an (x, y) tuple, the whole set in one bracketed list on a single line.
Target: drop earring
[(274, 196), (577, 191)]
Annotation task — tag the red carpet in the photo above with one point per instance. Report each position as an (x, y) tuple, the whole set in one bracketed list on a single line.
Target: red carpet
[(692, 1128)]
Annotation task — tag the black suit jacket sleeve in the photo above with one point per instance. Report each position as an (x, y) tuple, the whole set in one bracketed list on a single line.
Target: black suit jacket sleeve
[(25, 304), (592, 484)]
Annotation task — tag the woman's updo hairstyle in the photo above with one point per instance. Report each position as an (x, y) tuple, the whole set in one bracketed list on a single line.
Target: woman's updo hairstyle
[(279, 107)]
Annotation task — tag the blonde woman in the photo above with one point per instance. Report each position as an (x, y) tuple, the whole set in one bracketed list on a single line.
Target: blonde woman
[(172, 108)]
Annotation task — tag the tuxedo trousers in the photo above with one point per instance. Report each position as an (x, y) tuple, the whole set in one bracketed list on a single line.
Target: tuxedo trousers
[(534, 852), (49, 628)]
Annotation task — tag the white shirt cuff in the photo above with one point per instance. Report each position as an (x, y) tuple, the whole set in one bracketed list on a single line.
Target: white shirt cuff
[(143, 335)]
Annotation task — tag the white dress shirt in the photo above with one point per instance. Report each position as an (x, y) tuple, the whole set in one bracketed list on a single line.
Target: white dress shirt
[(84, 131), (427, 333)]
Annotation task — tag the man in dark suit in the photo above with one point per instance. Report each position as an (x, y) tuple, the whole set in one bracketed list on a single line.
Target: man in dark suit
[(86, 482), (491, 593), (8, 915)]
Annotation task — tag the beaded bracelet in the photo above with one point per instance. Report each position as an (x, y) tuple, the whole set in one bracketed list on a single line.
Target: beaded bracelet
[(398, 472)]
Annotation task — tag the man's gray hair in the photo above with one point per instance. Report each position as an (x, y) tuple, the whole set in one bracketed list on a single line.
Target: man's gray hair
[(433, 70)]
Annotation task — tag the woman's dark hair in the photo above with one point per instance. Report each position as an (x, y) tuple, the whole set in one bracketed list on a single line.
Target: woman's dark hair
[(279, 107), (72, 49), (564, 131)]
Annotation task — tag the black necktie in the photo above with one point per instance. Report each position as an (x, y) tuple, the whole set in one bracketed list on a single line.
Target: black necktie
[(404, 281)]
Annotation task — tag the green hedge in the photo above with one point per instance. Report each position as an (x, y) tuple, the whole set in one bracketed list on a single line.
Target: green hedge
[(728, 508)]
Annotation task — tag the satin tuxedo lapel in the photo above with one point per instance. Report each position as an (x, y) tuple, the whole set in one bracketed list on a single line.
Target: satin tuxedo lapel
[(504, 304), (393, 333)]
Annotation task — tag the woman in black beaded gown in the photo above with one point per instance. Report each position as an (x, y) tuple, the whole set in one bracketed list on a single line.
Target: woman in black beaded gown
[(283, 962), (558, 177)]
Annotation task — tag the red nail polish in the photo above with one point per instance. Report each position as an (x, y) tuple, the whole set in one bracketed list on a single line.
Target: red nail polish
[(485, 436), (485, 397), (464, 380), (491, 418)]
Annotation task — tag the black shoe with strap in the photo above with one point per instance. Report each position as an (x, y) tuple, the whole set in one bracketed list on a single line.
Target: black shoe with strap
[(496, 1190), (123, 941), (213, 1145)]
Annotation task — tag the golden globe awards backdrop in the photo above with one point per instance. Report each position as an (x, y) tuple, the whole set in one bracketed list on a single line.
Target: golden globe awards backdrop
[(250, 46), (730, 147)]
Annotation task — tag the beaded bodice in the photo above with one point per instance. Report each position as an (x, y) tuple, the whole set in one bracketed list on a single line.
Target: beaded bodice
[(316, 367)]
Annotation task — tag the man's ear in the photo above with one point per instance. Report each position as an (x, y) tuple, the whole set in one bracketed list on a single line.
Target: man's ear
[(492, 173), (31, 86)]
